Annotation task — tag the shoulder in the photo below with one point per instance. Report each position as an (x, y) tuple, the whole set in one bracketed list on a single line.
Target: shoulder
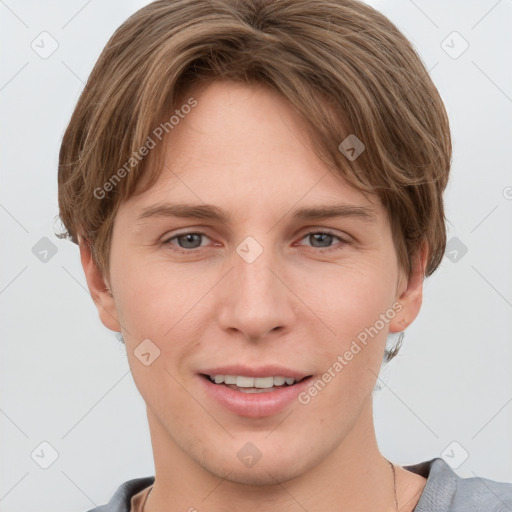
[(477, 493), (445, 491), (120, 501)]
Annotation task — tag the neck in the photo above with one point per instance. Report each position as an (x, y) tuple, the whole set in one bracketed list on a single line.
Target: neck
[(354, 474)]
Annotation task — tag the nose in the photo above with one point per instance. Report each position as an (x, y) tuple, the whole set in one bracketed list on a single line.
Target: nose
[(255, 297)]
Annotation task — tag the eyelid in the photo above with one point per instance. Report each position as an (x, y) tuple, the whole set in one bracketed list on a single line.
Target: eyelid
[(313, 230), (342, 235), (196, 231)]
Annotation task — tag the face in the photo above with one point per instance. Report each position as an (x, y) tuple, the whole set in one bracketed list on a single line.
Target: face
[(272, 289)]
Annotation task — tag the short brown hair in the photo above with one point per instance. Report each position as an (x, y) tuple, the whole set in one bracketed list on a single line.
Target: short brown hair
[(340, 63)]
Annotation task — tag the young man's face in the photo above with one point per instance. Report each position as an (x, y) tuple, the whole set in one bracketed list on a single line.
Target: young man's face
[(254, 291)]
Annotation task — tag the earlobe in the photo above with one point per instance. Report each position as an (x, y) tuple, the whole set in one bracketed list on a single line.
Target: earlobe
[(411, 298), (99, 289)]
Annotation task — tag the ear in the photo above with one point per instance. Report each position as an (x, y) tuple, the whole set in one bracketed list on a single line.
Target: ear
[(411, 297), (99, 289)]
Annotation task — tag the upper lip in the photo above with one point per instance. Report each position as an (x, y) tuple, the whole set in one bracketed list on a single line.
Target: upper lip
[(253, 371)]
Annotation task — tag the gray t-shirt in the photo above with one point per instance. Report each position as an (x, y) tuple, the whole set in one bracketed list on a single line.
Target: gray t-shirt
[(444, 491)]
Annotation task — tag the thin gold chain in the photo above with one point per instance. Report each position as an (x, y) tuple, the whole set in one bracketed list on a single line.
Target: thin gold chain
[(394, 484)]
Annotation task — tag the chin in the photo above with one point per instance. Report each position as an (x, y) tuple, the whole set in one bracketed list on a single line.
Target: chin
[(269, 474), (279, 465)]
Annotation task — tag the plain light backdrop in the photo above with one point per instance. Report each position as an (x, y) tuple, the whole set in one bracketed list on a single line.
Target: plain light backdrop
[(64, 378)]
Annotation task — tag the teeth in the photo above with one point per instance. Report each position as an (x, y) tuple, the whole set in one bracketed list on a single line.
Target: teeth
[(264, 382), (242, 381), (245, 382)]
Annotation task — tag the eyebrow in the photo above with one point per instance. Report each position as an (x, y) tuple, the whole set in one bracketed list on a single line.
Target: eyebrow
[(211, 212)]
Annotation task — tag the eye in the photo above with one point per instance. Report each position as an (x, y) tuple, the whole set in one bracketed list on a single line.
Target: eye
[(324, 237), (187, 242)]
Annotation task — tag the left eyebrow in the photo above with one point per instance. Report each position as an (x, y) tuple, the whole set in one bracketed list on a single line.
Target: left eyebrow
[(334, 211)]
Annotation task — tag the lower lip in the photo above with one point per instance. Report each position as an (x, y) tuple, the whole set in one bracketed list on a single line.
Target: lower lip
[(254, 405)]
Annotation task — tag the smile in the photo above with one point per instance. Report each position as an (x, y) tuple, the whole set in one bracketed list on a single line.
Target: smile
[(253, 397), (252, 384)]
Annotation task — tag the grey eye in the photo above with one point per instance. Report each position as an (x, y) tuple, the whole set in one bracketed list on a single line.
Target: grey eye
[(190, 240), (323, 239)]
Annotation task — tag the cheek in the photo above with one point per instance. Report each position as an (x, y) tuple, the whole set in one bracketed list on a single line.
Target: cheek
[(151, 298), (356, 305), (351, 298), (164, 307), (348, 360), (154, 312)]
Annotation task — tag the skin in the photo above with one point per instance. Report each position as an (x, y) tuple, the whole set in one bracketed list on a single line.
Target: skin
[(243, 149)]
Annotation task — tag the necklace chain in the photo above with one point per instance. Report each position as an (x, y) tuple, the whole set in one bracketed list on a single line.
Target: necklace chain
[(394, 484)]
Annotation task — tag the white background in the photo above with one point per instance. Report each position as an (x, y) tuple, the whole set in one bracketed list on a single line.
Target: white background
[(65, 378)]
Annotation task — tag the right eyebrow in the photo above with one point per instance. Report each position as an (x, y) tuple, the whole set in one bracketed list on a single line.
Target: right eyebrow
[(199, 211)]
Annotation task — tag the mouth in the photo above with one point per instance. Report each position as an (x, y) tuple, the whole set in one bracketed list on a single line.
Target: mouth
[(253, 391), (246, 384)]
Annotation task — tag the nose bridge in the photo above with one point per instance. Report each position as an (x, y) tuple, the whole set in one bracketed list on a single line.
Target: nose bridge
[(257, 300)]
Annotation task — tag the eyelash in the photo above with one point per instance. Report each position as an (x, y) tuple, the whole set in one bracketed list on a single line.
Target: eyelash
[(180, 250)]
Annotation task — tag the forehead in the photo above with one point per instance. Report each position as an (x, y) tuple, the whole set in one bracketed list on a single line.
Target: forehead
[(245, 146)]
